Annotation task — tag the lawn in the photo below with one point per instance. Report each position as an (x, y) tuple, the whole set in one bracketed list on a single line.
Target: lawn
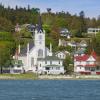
[(25, 76)]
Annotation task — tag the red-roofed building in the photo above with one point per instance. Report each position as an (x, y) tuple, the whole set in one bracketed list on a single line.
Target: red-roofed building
[(85, 64)]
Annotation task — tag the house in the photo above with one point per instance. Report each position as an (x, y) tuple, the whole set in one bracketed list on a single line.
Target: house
[(65, 33), (72, 43), (61, 54), (62, 43), (31, 27), (85, 63), (93, 31), (17, 28), (83, 44), (37, 58)]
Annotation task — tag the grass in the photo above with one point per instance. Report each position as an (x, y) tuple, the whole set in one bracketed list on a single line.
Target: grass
[(26, 76)]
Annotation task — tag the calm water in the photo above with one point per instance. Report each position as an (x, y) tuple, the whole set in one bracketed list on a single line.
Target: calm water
[(49, 90)]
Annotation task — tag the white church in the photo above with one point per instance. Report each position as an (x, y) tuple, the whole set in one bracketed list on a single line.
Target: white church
[(37, 58)]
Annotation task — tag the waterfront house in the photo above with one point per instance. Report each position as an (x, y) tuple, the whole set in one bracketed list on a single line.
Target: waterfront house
[(85, 63)]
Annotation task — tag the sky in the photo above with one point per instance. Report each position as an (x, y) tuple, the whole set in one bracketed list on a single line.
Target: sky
[(90, 7)]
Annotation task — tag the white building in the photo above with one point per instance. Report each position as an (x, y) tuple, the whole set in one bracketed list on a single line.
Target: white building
[(37, 58), (65, 33), (93, 31)]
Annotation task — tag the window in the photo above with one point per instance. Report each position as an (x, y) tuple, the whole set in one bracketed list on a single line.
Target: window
[(50, 62), (59, 62), (40, 53), (57, 68), (47, 68), (40, 37), (45, 62)]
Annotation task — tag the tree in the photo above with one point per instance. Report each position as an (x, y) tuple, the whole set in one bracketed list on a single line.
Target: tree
[(82, 23), (49, 10), (68, 64), (28, 7), (4, 57), (96, 43)]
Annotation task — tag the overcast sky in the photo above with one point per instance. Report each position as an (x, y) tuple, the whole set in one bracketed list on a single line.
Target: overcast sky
[(90, 7)]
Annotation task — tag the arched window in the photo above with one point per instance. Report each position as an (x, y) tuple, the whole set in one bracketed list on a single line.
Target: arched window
[(40, 53)]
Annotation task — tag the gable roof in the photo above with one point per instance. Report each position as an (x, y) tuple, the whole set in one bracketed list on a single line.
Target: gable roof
[(82, 58), (83, 42), (85, 57), (24, 50)]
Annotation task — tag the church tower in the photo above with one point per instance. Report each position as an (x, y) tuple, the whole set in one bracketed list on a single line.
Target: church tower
[(39, 40)]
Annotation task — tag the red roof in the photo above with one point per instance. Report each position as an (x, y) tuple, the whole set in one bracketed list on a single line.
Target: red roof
[(93, 53), (85, 57), (82, 58)]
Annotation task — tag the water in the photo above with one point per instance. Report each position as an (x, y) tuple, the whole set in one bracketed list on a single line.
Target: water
[(49, 90)]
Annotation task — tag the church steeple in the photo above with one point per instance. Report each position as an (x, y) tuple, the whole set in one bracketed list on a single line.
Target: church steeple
[(40, 22), (39, 26)]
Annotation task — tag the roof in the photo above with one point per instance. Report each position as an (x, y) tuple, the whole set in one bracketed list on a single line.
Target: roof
[(83, 42), (93, 53), (85, 56), (64, 52), (17, 62), (39, 26), (64, 30), (50, 58), (82, 58), (80, 51), (24, 50)]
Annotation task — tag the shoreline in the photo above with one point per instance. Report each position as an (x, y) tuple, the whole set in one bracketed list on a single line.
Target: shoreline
[(31, 76)]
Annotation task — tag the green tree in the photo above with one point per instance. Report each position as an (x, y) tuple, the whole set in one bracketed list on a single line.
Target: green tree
[(68, 64), (5, 57), (96, 43)]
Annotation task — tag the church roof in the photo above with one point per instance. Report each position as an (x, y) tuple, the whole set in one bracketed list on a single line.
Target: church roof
[(39, 26), (24, 50)]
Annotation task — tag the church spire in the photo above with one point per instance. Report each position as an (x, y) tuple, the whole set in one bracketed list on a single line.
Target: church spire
[(40, 23)]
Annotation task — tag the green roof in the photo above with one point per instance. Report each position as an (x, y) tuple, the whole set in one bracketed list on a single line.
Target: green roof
[(50, 58), (17, 62)]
